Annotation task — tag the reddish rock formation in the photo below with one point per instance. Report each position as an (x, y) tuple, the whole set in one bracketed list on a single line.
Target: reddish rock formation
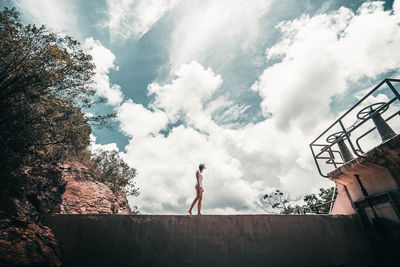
[(68, 188), (24, 241), (85, 195)]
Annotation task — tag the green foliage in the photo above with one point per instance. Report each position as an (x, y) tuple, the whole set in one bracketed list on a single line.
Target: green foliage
[(114, 170), (277, 200), (45, 81), (324, 196), (40, 61), (287, 205)]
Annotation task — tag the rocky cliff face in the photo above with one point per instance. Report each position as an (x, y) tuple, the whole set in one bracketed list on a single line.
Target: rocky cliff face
[(84, 195), (25, 241), (68, 188)]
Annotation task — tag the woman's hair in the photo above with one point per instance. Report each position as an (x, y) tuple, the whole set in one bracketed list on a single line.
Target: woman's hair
[(201, 166)]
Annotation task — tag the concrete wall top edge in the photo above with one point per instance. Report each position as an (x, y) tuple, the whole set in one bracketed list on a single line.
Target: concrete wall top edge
[(195, 216)]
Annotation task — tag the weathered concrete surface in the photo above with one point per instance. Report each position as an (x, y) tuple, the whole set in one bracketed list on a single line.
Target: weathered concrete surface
[(379, 172), (239, 240)]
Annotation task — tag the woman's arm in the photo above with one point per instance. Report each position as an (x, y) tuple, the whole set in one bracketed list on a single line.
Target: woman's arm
[(198, 177)]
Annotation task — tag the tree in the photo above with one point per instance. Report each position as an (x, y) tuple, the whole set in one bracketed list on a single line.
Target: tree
[(278, 202), (324, 196), (35, 60), (114, 170), (45, 80)]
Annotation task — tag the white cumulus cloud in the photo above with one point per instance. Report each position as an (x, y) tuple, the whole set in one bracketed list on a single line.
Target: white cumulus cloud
[(316, 59), (133, 18), (96, 148), (167, 167), (216, 30), (104, 60), (187, 93), (321, 55), (137, 121), (241, 162), (58, 15)]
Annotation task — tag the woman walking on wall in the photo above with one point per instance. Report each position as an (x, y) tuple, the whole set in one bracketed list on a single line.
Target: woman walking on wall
[(199, 189)]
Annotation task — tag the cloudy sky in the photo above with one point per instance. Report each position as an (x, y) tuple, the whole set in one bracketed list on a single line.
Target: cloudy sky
[(243, 86)]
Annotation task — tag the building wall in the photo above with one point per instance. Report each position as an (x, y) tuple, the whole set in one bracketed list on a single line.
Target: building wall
[(379, 172)]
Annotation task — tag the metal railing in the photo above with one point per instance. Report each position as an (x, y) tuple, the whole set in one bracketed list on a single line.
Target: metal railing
[(333, 151)]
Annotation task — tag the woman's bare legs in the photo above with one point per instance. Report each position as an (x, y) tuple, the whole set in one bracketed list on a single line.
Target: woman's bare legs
[(199, 203), (199, 196), (193, 203)]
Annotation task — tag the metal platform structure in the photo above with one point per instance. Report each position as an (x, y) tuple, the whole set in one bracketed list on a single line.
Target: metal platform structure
[(330, 147)]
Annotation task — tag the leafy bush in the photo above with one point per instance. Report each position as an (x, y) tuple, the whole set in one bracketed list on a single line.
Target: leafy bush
[(324, 196), (114, 170), (282, 202)]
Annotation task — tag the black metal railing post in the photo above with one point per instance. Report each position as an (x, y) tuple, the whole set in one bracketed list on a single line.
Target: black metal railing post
[(316, 162), (366, 196), (392, 88)]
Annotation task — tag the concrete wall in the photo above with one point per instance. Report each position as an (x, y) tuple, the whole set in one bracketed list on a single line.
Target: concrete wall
[(343, 204), (241, 240)]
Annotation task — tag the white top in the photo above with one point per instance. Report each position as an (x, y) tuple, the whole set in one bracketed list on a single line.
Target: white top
[(200, 179)]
